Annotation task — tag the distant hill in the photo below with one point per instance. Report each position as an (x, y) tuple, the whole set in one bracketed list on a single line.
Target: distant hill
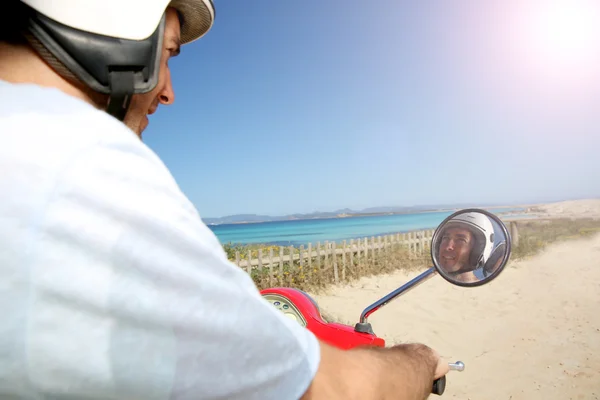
[(249, 218), (346, 212)]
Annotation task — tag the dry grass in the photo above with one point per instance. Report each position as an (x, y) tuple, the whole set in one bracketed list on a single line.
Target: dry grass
[(534, 235)]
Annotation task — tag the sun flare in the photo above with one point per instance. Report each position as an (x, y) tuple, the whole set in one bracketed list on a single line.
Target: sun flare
[(566, 31)]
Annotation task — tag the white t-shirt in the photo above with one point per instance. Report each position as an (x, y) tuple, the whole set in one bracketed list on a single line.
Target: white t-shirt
[(111, 287)]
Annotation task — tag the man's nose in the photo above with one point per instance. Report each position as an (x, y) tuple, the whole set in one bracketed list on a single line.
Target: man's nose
[(167, 94)]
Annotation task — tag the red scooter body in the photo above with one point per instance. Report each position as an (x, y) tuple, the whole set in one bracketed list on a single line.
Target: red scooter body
[(303, 308)]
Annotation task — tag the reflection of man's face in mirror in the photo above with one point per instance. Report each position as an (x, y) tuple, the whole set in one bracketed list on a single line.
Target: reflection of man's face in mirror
[(455, 249)]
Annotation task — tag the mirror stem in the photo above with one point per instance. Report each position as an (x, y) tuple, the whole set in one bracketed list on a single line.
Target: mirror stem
[(400, 291)]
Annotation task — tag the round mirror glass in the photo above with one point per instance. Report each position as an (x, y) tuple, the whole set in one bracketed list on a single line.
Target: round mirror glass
[(470, 247)]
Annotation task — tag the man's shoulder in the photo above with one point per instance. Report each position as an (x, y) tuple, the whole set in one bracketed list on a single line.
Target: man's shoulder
[(46, 127), (48, 114), (52, 138), (60, 144)]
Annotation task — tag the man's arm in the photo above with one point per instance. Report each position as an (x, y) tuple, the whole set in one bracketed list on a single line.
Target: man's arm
[(134, 297), (404, 372)]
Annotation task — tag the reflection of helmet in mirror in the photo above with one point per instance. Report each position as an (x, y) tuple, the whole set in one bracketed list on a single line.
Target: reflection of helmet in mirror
[(111, 46), (492, 262), (483, 234)]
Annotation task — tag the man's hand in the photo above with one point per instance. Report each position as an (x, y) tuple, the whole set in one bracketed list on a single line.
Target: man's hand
[(402, 372), (423, 351), (442, 366)]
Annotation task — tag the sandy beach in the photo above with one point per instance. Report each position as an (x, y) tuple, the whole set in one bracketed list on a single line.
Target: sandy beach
[(585, 208), (533, 333)]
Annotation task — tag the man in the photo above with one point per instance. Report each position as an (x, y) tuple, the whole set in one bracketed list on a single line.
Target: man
[(464, 245), (111, 286)]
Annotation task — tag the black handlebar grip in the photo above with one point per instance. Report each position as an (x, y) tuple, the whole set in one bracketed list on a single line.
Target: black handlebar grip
[(439, 386)]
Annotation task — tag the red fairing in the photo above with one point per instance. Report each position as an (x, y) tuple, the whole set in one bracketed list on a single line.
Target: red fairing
[(339, 335)]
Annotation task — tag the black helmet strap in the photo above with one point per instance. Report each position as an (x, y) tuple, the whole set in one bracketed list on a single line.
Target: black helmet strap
[(121, 91)]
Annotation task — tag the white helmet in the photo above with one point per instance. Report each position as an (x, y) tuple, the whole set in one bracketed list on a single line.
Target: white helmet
[(111, 46), (483, 232)]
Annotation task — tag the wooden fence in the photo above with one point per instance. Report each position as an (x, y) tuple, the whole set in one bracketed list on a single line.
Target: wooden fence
[(340, 257)]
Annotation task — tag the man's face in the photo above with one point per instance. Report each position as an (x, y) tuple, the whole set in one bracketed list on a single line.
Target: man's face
[(455, 249), (145, 104)]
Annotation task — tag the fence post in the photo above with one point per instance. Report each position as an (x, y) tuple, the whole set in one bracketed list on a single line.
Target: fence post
[(249, 262), (309, 261), (373, 253), (326, 258), (366, 255), (281, 276), (260, 265), (271, 267), (389, 251), (379, 252), (318, 260), (514, 233), (344, 261), (335, 264), (352, 257), (301, 262), (237, 258), (291, 271)]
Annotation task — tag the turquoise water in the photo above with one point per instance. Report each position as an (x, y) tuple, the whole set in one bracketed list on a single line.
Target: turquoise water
[(302, 232)]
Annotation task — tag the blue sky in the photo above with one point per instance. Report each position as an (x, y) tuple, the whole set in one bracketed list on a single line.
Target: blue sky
[(318, 105)]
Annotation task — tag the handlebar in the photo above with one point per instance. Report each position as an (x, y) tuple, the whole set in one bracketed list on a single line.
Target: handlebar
[(457, 366), (439, 386)]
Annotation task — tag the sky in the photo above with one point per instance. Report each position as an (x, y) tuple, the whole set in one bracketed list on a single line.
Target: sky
[(288, 106)]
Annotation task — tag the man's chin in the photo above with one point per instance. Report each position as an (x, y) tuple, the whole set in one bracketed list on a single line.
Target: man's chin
[(138, 125), (143, 125), (449, 266)]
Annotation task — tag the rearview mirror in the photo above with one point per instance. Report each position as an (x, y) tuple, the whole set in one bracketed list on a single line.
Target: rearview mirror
[(470, 247)]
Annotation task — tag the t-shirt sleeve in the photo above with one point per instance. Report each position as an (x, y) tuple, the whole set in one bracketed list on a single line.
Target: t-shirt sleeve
[(133, 296)]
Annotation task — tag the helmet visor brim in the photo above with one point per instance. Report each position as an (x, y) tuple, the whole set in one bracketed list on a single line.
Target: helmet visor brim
[(197, 17)]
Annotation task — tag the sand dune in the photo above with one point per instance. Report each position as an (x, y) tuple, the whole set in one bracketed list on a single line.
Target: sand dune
[(587, 208), (533, 333)]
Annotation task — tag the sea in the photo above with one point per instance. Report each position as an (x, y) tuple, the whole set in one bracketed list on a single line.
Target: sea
[(302, 232)]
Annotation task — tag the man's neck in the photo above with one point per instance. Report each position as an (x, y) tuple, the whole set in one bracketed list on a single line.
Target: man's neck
[(20, 64)]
